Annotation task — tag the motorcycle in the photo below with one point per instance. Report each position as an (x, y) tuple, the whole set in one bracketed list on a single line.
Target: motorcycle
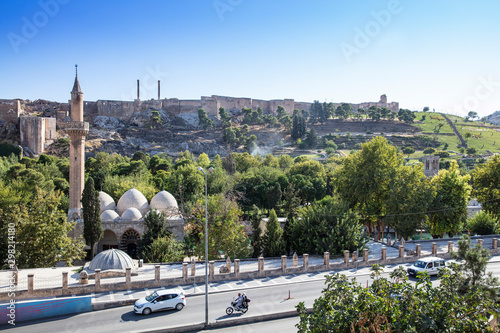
[(234, 307)]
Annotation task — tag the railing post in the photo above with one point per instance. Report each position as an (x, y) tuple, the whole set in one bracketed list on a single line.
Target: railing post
[(128, 276), (365, 255), (326, 260), (228, 264), (450, 246), (480, 242), (305, 262), (384, 253), (65, 281), (434, 248), (354, 257), (15, 275), (31, 284), (494, 243), (211, 265), (261, 266), (283, 264), (295, 259), (418, 250), (157, 273), (346, 256), (184, 271), (97, 279), (401, 251), (237, 268)]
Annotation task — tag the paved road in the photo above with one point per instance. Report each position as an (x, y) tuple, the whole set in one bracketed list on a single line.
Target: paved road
[(265, 300)]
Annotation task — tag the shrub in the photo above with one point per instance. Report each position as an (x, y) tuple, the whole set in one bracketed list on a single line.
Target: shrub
[(483, 224)]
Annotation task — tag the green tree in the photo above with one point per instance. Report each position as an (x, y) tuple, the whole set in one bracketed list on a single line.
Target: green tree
[(312, 139), (92, 228), (273, 237), (486, 187), (256, 232), (363, 180), (204, 121), (156, 227), (483, 223), (326, 225), (225, 117), (408, 151), (448, 210), (165, 249), (226, 233), (42, 231)]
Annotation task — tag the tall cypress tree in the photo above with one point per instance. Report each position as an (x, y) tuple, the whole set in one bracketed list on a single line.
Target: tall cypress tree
[(273, 240), (256, 231), (92, 228)]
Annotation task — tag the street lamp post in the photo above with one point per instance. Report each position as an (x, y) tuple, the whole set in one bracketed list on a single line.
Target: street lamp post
[(206, 247)]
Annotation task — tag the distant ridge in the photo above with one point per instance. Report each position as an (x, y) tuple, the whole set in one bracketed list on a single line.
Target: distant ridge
[(494, 118)]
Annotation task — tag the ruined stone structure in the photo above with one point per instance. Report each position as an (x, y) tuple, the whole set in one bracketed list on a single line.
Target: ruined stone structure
[(37, 133), (431, 165)]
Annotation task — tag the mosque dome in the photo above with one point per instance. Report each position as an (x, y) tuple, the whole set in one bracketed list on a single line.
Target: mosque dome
[(133, 198), (131, 214), (109, 215), (106, 201), (164, 201), (111, 259)]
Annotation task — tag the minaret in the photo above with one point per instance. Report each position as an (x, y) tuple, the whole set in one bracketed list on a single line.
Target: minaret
[(77, 129)]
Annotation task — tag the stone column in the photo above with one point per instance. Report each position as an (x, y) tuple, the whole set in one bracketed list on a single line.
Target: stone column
[(157, 273), (228, 264), (326, 260), (388, 239), (401, 251), (184, 271), (494, 243), (480, 242), (65, 281), (237, 268), (434, 248), (346, 256), (418, 250), (354, 257), (193, 267), (283, 264), (305, 262), (384, 253), (295, 259), (211, 270), (261, 266), (450, 246), (365, 255), (128, 275), (31, 284), (97, 279)]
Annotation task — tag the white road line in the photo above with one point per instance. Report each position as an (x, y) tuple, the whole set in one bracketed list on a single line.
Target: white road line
[(129, 294), (111, 295), (258, 282)]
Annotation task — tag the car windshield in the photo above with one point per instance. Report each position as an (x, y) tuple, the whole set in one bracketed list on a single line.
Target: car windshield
[(419, 264), (151, 297)]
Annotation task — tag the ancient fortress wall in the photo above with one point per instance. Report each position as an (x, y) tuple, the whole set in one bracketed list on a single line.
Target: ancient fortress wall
[(37, 133), (10, 109)]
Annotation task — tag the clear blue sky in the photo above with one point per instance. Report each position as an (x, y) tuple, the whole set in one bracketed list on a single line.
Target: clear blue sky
[(441, 54)]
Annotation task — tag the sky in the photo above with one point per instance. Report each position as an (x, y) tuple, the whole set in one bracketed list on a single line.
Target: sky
[(440, 54)]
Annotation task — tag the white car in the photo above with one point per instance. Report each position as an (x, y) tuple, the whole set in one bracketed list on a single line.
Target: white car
[(431, 265), (161, 300)]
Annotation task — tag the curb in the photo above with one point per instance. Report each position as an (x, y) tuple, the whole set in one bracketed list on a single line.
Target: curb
[(227, 323)]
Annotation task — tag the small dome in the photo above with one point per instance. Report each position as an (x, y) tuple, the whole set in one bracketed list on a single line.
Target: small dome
[(131, 214), (106, 201), (164, 201), (111, 259), (132, 199), (109, 215)]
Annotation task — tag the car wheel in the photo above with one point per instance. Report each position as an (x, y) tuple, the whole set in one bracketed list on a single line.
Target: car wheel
[(179, 306), (229, 310), (146, 311)]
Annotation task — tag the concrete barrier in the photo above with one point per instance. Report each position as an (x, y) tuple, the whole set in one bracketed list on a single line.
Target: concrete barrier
[(29, 310)]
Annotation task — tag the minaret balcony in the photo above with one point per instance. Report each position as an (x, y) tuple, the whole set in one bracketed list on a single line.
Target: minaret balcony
[(76, 127)]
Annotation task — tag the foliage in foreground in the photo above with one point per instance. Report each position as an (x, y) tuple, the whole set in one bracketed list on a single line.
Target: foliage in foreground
[(395, 305)]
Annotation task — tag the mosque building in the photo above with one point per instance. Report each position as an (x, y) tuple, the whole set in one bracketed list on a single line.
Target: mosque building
[(122, 223)]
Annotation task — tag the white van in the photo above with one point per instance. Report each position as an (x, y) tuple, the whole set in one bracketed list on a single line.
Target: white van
[(431, 265)]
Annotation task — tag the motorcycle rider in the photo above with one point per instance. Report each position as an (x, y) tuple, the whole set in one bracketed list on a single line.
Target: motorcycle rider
[(239, 301)]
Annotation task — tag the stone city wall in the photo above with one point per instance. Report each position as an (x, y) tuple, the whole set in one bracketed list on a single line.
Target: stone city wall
[(37, 133)]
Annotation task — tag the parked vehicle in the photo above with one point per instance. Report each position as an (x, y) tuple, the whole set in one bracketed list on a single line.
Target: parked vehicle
[(431, 265), (234, 307), (160, 300)]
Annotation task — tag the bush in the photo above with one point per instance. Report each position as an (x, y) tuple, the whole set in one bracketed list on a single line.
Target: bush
[(483, 224), (7, 149), (429, 150)]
